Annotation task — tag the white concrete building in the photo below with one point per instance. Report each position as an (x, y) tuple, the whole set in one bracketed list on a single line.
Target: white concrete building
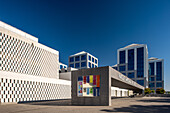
[(65, 73), (29, 71), (83, 60), (156, 73), (62, 65), (132, 61)]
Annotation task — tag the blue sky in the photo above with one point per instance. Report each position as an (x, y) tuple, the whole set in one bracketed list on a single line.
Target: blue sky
[(98, 27)]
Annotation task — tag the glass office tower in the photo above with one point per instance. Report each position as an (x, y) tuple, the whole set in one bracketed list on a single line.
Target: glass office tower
[(156, 73), (132, 61)]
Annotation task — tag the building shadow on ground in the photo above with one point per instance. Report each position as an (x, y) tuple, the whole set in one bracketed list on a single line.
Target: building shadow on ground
[(166, 100), (64, 102), (141, 109)]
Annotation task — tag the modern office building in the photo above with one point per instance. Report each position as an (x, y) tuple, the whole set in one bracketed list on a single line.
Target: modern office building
[(83, 60), (156, 73), (132, 61), (29, 71), (115, 67), (62, 65)]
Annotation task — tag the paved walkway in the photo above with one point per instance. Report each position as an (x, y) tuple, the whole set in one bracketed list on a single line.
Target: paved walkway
[(119, 105)]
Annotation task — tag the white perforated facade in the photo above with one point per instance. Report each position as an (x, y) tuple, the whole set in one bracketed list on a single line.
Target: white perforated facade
[(20, 56), (28, 70)]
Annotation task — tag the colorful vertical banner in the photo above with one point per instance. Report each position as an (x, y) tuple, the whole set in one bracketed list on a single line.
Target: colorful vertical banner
[(91, 78), (94, 79), (98, 80), (87, 77), (89, 85), (84, 79), (94, 91), (98, 91), (91, 90), (88, 91)]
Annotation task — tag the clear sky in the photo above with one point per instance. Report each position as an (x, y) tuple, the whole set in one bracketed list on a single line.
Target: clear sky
[(98, 27)]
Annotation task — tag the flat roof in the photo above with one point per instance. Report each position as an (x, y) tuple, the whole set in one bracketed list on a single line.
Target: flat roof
[(17, 31)]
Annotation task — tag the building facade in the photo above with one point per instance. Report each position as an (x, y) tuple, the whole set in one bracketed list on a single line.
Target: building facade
[(29, 71), (62, 65), (132, 61), (156, 73), (83, 60)]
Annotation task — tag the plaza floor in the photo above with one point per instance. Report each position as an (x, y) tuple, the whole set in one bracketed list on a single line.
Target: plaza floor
[(119, 105)]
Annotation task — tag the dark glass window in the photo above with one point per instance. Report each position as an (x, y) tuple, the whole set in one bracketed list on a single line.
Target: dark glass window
[(122, 68), (61, 66), (131, 75), (122, 57), (158, 71), (64, 66), (89, 65), (140, 62), (131, 59), (83, 64), (83, 57), (96, 61), (90, 58), (151, 78), (77, 65), (151, 84), (141, 82), (72, 65), (115, 68), (124, 74), (77, 58), (92, 65), (71, 59), (151, 69), (95, 65), (158, 84)]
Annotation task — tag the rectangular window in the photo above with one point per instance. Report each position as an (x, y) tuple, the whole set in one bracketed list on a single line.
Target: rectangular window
[(90, 58), (89, 65), (96, 61), (151, 85), (72, 65), (115, 68), (140, 62), (141, 82), (131, 75), (151, 78), (131, 59), (122, 57), (95, 65), (77, 58), (71, 59), (92, 65), (77, 65), (83, 57), (61, 66), (158, 71), (124, 74), (122, 68), (158, 84), (83, 64), (151, 69)]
